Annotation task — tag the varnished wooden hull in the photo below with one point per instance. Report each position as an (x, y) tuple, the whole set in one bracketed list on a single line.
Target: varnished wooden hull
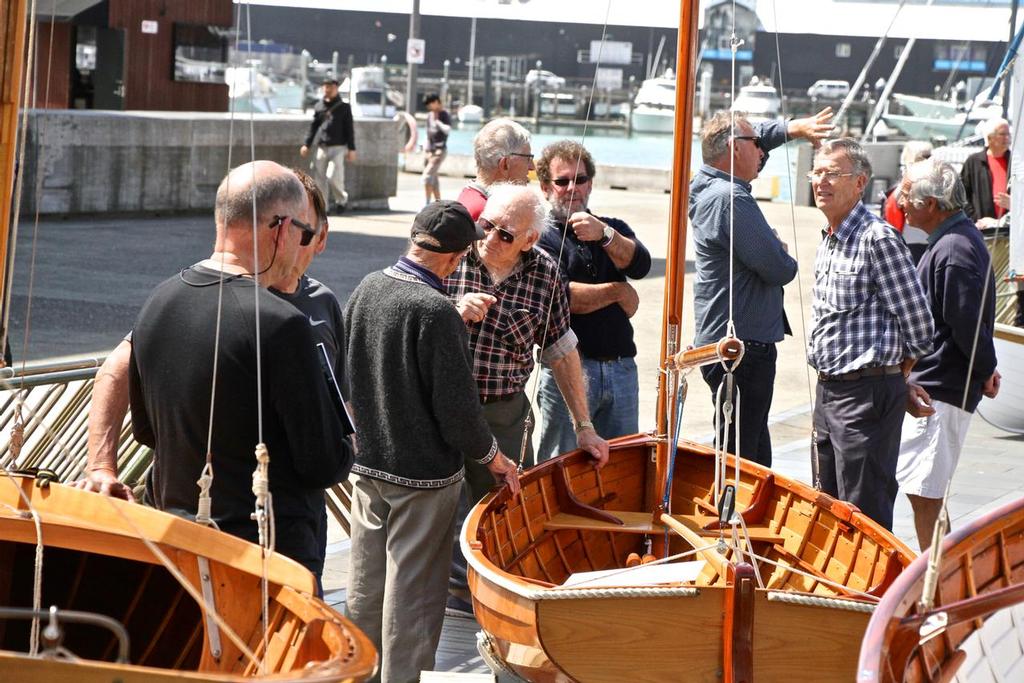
[(95, 561), (520, 550), (983, 561)]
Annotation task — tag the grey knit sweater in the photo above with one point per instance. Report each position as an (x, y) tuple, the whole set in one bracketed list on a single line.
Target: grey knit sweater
[(415, 403)]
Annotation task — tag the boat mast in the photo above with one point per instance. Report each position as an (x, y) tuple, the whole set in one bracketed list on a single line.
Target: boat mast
[(686, 61), (12, 63)]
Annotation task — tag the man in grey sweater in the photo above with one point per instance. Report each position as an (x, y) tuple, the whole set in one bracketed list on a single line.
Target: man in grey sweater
[(417, 415)]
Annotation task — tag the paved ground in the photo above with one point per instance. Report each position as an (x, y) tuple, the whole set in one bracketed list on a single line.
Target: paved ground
[(92, 274)]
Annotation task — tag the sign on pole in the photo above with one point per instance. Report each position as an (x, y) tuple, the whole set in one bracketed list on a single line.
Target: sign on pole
[(150, 26), (415, 51)]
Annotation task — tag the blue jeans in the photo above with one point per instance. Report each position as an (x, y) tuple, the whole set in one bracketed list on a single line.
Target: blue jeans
[(612, 398)]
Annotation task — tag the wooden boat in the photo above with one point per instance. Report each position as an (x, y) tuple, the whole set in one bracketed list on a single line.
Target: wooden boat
[(980, 573), (733, 615), (96, 561), (128, 593)]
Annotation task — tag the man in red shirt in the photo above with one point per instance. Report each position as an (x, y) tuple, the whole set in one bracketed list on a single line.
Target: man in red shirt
[(502, 153), (985, 175)]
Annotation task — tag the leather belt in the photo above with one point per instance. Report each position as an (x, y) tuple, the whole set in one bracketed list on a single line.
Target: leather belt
[(485, 400), (603, 359), (876, 371)]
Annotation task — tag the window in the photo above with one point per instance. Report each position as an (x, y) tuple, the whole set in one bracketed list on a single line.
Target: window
[(843, 50), (200, 53), (897, 51)]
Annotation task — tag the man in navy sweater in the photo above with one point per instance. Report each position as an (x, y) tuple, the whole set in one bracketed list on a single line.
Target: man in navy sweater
[(946, 385)]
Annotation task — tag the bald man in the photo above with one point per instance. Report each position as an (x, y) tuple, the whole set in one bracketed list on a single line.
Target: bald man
[(171, 372)]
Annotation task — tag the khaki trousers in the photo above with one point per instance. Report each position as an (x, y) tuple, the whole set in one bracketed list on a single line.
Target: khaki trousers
[(330, 173), (398, 572)]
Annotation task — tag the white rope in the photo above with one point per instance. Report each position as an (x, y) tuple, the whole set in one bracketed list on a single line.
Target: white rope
[(625, 592), (264, 514), (203, 511), (818, 601), (37, 569)]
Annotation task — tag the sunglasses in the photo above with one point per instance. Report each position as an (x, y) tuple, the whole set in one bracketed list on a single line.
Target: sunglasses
[(564, 182), (503, 234), (756, 139), (308, 231), (520, 154)]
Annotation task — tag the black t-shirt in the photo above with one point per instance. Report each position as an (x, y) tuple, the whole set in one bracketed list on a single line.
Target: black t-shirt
[(606, 332), (170, 384)]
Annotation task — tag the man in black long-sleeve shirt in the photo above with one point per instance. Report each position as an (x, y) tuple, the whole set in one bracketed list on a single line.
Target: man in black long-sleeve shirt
[(595, 255), (946, 385), (332, 137), (171, 374)]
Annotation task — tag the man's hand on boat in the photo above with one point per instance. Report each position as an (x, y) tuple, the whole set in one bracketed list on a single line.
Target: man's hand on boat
[(919, 403), (814, 128), (991, 387), (105, 481), (504, 471), (588, 440), (473, 306)]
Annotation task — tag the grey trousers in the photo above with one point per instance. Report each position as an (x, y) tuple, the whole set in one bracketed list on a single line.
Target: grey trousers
[(857, 428), (398, 571), (330, 171)]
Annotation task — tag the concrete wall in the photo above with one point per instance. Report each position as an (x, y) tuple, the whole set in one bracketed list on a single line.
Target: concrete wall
[(114, 162)]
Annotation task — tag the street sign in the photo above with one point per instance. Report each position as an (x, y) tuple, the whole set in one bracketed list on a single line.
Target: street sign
[(612, 52), (150, 26), (415, 51)]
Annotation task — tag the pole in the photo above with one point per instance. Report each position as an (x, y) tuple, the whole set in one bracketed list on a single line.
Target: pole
[(410, 83), (862, 76), (1006, 81), (472, 59)]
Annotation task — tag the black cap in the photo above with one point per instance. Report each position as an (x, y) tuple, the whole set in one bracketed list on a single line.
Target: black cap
[(445, 227), (330, 80)]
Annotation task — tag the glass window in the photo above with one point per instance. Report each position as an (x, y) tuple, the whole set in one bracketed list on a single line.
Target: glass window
[(200, 53), (842, 50)]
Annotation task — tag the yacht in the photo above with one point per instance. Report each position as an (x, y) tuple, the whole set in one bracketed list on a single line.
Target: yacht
[(759, 100), (942, 119), (654, 107), (363, 91)]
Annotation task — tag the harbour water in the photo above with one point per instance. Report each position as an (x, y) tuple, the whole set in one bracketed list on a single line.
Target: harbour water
[(614, 147)]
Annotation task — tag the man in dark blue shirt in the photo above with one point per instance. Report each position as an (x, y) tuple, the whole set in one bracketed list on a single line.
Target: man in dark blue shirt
[(946, 385), (596, 255), (725, 219)]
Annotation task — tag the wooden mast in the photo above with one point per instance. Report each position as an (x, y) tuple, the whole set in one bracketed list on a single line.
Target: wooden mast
[(12, 63), (686, 60)]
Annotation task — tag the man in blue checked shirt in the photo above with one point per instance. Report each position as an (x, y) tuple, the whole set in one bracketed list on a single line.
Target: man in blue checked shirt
[(870, 323), (726, 219)]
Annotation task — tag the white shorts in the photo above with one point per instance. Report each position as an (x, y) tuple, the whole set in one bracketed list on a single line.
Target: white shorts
[(930, 449)]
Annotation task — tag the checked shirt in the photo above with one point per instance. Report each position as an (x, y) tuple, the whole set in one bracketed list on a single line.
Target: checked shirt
[(869, 308), (502, 343)]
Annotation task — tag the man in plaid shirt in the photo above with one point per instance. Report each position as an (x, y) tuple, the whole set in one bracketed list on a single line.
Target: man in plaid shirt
[(513, 300), (870, 323)]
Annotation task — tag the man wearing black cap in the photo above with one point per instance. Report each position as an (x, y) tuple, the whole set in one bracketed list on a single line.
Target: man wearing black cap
[(416, 415), (332, 136)]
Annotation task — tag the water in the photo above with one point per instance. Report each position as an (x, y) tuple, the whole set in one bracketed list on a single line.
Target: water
[(614, 147)]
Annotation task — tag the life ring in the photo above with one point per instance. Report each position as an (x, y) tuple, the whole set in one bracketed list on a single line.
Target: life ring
[(410, 121)]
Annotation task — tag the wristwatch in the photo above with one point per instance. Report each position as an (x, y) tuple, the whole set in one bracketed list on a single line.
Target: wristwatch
[(583, 424), (609, 235)]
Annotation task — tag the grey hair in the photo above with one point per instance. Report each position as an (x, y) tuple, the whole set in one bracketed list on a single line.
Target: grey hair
[(914, 151), (717, 133), (988, 126), (853, 151), (272, 189), (937, 180), (497, 140), (514, 198)]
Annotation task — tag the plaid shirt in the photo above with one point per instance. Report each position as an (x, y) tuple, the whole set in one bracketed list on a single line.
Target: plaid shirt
[(502, 343), (869, 308)]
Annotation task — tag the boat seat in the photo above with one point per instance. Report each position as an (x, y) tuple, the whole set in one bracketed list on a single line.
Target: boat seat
[(642, 523)]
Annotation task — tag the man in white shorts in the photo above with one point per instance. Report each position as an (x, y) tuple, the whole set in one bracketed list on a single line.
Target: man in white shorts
[(946, 385)]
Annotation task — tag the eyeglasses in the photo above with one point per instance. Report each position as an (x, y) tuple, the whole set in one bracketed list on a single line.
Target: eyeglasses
[(503, 234), (756, 139), (564, 182), (831, 176), (308, 231), (520, 154)]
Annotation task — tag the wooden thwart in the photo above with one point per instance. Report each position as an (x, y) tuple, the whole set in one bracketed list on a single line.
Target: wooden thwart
[(641, 523)]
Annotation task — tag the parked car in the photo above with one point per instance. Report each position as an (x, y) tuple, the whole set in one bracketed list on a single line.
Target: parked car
[(829, 90), (548, 80)]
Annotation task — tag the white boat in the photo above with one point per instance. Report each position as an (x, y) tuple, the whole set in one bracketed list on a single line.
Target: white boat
[(654, 107), (471, 113), (367, 93), (760, 101), (931, 119)]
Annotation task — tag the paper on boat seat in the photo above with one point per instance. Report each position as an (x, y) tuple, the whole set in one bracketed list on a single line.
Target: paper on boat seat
[(644, 575)]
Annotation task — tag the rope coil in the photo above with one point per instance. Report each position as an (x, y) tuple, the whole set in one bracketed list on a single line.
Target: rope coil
[(205, 506), (263, 514)]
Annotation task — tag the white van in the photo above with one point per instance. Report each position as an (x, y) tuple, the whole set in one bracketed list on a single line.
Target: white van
[(829, 90)]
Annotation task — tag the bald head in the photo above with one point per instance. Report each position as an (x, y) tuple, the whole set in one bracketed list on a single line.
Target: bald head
[(275, 189)]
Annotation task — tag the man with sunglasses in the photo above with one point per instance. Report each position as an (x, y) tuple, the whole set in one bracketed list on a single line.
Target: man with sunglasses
[(502, 153), (742, 266), (596, 255), (179, 321)]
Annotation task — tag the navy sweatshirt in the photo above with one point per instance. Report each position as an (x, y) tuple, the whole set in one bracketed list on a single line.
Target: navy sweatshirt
[(953, 271)]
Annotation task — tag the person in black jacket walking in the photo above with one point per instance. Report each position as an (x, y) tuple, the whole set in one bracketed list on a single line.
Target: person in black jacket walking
[(946, 385), (332, 138)]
